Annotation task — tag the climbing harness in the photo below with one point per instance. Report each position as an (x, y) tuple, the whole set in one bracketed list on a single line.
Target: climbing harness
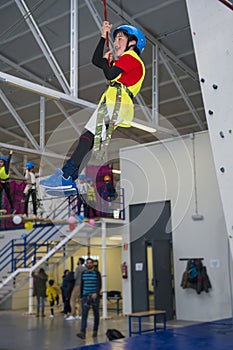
[(104, 121)]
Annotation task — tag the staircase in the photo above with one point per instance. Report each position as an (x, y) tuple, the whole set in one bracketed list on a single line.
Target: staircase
[(46, 246)]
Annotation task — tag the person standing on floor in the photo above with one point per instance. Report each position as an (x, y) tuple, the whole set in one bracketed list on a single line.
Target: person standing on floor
[(90, 290), (4, 178), (39, 290), (51, 293), (67, 287), (63, 289), (75, 296)]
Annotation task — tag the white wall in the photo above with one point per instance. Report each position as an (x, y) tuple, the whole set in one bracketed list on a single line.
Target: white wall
[(211, 25), (164, 171)]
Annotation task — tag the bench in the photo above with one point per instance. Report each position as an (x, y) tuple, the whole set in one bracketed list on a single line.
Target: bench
[(140, 315)]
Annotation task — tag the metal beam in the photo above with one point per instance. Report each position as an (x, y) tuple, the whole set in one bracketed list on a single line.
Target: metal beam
[(39, 80), (67, 116), (12, 134), (74, 47), (95, 14), (42, 123), (43, 91), (32, 151), (18, 120), (43, 45), (181, 90)]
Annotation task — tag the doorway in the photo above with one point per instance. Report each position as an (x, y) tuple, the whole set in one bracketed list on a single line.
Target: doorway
[(151, 258), (150, 276)]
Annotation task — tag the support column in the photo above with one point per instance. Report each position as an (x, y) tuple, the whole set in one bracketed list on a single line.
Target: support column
[(104, 273), (74, 47), (30, 298), (42, 123)]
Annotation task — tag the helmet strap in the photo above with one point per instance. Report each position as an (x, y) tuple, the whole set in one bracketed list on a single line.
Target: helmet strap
[(130, 46)]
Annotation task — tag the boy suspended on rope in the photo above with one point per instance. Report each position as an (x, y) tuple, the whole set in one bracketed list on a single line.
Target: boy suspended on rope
[(125, 77)]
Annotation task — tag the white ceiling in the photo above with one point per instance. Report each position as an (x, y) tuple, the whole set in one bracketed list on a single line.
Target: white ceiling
[(164, 22)]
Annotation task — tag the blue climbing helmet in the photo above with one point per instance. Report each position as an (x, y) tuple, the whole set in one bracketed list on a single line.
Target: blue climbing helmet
[(4, 159), (131, 30), (89, 179), (82, 177), (29, 165)]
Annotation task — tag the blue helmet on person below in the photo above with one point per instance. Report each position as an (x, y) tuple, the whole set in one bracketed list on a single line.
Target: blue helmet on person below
[(82, 177), (89, 179), (131, 30), (29, 165), (4, 159)]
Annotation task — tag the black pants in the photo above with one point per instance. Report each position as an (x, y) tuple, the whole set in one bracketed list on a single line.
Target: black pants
[(67, 307), (80, 156), (91, 206), (51, 306), (32, 193), (6, 186)]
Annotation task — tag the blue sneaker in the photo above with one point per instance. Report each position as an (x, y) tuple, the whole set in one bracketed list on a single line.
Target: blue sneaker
[(62, 193), (57, 181)]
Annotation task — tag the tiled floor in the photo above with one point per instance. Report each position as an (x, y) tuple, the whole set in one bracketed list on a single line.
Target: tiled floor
[(20, 331)]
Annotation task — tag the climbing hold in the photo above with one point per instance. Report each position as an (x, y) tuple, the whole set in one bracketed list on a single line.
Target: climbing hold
[(210, 112), (230, 131), (222, 169), (215, 86), (221, 134), (202, 80)]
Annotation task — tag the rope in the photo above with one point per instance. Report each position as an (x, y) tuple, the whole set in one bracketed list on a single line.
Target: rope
[(106, 19)]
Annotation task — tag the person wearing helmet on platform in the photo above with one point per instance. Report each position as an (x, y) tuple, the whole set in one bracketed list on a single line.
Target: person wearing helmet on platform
[(4, 179), (82, 198), (125, 76), (109, 189), (91, 198), (30, 188)]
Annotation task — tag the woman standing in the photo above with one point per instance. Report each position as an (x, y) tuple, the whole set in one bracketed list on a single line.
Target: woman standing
[(39, 290)]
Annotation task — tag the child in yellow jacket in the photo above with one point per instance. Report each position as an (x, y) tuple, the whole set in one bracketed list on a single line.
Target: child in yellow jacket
[(51, 293)]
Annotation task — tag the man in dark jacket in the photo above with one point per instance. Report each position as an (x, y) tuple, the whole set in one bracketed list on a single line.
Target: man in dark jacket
[(90, 289)]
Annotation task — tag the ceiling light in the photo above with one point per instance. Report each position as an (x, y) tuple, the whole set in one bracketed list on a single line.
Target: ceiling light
[(143, 127), (116, 171), (115, 238)]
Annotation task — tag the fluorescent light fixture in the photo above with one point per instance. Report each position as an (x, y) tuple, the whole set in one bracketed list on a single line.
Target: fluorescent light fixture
[(115, 238), (116, 171), (143, 127)]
